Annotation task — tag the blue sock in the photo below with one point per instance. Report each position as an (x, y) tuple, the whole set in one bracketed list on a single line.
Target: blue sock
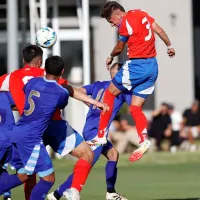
[(7, 194), (41, 190), (111, 175), (8, 182), (66, 185)]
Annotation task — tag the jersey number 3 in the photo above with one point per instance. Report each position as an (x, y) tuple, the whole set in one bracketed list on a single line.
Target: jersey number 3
[(31, 102), (148, 27)]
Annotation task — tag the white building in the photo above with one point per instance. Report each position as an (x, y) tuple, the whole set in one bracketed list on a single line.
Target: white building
[(179, 78)]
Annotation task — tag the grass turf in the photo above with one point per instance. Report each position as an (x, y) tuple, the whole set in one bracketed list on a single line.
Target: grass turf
[(158, 176)]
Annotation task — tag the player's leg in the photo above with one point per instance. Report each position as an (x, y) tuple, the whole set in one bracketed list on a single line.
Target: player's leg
[(39, 162), (57, 194), (111, 171), (5, 157), (118, 85), (68, 140), (29, 185), (7, 181), (140, 93), (81, 170)]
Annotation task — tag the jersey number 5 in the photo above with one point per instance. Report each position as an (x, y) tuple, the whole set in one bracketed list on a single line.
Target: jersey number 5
[(148, 27), (31, 102)]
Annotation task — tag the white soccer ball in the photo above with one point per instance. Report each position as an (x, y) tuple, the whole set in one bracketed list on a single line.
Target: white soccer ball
[(46, 37)]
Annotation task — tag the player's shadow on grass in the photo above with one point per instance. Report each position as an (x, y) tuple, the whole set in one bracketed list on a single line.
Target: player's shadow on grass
[(180, 199)]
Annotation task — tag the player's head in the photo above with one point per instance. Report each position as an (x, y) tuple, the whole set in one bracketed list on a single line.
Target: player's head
[(115, 68), (54, 66), (164, 108), (113, 13), (32, 55)]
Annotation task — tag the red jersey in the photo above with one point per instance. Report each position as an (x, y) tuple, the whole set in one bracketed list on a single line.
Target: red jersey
[(15, 81), (136, 30)]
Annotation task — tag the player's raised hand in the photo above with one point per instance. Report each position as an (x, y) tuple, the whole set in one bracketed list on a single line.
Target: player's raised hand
[(171, 52), (109, 62), (104, 107)]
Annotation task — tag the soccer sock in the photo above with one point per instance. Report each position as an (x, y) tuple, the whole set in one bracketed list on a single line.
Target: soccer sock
[(140, 122), (29, 185), (40, 191), (111, 175), (109, 99), (81, 172), (8, 182), (7, 194), (66, 185)]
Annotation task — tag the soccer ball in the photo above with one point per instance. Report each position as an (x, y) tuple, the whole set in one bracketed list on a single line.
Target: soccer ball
[(46, 37)]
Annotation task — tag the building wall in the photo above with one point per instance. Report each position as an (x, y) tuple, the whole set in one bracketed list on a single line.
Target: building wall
[(176, 76), (104, 40)]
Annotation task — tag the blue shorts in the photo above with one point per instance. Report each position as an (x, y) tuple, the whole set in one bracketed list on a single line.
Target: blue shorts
[(61, 137), (31, 159), (138, 76), (5, 156)]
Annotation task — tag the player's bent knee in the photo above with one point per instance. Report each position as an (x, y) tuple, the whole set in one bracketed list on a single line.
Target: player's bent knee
[(90, 156), (49, 178), (83, 151), (113, 89), (113, 155), (22, 177)]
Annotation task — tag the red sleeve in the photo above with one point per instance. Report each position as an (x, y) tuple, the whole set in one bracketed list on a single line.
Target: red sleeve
[(123, 29), (151, 19), (62, 81), (17, 92)]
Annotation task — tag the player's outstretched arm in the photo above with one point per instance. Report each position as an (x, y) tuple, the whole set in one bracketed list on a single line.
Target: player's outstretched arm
[(77, 94), (162, 34), (115, 52), (85, 92)]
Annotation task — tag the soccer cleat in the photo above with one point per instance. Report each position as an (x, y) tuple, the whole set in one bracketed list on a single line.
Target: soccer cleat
[(97, 141), (71, 194), (114, 196), (137, 154), (7, 198), (51, 196)]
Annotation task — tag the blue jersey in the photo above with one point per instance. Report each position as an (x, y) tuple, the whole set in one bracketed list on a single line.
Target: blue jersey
[(96, 90), (6, 118), (43, 97)]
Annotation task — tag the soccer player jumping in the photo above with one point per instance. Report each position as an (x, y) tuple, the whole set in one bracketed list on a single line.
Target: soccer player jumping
[(136, 30)]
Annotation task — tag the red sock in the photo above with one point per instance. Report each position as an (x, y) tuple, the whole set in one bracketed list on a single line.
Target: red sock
[(109, 99), (140, 121), (29, 185), (81, 171)]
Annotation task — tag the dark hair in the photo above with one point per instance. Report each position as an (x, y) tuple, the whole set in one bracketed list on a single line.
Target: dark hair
[(165, 104), (170, 106), (54, 65), (119, 64), (108, 7), (30, 52)]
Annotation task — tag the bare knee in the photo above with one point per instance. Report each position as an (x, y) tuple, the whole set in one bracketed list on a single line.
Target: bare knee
[(88, 155), (49, 178), (22, 177), (113, 89), (83, 151), (113, 155)]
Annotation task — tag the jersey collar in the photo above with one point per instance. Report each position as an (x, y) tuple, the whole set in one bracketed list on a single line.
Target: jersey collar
[(51, 81)]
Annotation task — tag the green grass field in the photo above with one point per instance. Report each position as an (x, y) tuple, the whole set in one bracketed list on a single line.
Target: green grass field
[(157, 176)]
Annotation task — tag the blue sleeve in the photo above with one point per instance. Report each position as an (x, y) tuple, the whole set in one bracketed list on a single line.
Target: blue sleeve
[(63, 101), (123, 38), (89, 88)]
